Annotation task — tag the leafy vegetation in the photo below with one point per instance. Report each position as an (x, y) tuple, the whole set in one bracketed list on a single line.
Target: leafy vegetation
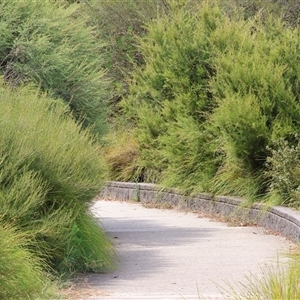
[(203, 115), (50, 44), (200, 95)]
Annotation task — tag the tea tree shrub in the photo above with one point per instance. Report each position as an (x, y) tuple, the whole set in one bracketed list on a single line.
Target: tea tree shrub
[(169, 97), (217, 90), (257, 96)]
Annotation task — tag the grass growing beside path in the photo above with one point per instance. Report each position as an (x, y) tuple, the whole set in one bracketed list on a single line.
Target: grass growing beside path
[(279, 282), (50, 171)]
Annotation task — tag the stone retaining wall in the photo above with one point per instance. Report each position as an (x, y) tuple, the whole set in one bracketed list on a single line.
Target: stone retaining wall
[(280, 219)]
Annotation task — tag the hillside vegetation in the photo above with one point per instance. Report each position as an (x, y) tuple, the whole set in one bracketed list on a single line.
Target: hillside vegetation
[(53, 95), (51, 44), (50, 171), (214, 107), (198, 95)]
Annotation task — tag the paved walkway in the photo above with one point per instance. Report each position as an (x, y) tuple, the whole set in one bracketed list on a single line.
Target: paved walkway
[(167, 254)]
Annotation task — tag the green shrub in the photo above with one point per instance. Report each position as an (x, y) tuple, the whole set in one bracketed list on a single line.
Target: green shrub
[(240, 139), (51, 169), (169, 98), (49, 43), (257, 96), (282, 172), (216, 90)]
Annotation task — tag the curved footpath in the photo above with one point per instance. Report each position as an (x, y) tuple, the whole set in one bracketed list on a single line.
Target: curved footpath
[(175, 254)]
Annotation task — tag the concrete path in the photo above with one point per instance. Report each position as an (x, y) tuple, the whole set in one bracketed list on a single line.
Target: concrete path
[(168, 254)]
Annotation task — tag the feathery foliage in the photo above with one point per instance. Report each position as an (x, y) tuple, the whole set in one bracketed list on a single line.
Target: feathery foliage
[(21, 275), (169, 97), (256, 106), (119, 23), (215, 93), (51, 169), (282, 172), (50, 44)]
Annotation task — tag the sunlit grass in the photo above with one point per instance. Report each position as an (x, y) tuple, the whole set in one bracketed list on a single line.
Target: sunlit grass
[(276, 282), (21, 274), (50, 171)]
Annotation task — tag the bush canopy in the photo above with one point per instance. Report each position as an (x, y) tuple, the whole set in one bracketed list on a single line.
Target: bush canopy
[(214, 95)]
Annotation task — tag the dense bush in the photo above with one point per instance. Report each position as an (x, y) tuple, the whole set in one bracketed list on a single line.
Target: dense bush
[(169, 98), (214, 95), (283, 173), (51, 169), (255, 105), (50, 43)]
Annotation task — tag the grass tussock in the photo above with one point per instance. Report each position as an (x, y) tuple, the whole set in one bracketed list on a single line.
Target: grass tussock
[(279, 282), (21, 274), (51, 169)]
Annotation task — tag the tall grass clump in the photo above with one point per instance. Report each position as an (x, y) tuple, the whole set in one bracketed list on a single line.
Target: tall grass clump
[(51, 169), (51, 44), (21, 275)]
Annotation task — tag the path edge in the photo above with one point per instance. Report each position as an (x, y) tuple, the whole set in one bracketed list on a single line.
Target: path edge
[(283, 220)]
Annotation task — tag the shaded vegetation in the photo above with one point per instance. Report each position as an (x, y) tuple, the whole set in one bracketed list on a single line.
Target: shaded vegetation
[(197, 95), (118, 24), (50, 43)]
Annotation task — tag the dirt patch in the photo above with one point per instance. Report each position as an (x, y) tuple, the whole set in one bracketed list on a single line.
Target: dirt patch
[(79, 288)]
